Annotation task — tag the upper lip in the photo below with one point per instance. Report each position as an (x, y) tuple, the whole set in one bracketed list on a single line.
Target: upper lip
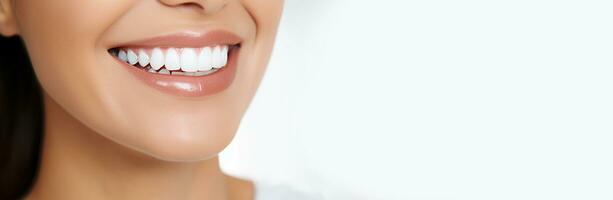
[(187, 39)]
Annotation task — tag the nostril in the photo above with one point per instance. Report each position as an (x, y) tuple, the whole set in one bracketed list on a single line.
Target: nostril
[(183, 4), (193, 5), (208, 6)]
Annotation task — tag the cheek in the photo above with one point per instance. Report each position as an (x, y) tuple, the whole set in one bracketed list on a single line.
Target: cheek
[(61, 36), (266, 15), (68, 22)]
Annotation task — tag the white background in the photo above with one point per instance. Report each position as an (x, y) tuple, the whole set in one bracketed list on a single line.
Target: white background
[(436, 99)]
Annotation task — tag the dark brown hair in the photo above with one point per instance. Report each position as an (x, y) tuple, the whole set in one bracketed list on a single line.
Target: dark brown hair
[(21, 120)]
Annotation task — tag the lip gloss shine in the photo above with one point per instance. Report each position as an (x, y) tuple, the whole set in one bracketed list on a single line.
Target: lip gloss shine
[(189, 86)]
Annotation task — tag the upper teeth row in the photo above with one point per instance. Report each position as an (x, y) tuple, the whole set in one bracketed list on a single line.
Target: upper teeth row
[(184, 59)]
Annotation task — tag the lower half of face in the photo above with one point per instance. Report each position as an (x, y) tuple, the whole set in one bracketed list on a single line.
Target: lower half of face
[(169, 78)]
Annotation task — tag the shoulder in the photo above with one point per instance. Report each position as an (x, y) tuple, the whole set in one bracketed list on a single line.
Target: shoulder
[(265, 191)]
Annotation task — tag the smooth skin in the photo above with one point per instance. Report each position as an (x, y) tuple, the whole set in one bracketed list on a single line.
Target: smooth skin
[(109, 136)]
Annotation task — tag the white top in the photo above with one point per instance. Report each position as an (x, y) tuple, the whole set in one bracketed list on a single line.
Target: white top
[(264, 191)]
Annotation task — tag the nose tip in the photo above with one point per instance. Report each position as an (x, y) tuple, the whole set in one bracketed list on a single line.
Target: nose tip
[(207, 6)]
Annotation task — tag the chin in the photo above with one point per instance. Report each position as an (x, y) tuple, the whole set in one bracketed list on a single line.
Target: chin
[(178, 143), (179, 137), (187, 146)]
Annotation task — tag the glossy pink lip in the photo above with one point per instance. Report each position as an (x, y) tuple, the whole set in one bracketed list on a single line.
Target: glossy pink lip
[(187, 39), (189, 86)]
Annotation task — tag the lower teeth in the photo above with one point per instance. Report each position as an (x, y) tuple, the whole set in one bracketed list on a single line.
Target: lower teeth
[(165, 71)]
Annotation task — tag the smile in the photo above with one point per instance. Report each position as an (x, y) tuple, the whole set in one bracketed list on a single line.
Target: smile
[(176, 61), (188, 64)]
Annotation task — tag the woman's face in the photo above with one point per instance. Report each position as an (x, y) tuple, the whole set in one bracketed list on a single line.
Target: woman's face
[(104, 62)]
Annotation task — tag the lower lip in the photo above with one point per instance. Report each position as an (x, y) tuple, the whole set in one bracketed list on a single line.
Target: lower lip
[(189, 86)]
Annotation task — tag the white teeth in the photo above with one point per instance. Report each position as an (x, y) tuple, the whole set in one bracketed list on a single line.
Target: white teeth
[(224, 55), (164, 71), (204, 73), (205, 62), (157, 59), (188, 60), (122, 56), (217, 57), (181, 61), (172, 60), (132, 57), (143, 58)]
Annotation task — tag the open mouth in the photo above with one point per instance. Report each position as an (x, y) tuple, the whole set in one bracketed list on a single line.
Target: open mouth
[(185, 63), (176, 61)]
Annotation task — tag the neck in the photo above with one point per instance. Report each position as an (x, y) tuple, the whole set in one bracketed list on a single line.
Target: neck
[(78, 163)]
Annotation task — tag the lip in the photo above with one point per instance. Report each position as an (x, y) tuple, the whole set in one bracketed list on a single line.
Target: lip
[(189, 86), (187, 39)]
